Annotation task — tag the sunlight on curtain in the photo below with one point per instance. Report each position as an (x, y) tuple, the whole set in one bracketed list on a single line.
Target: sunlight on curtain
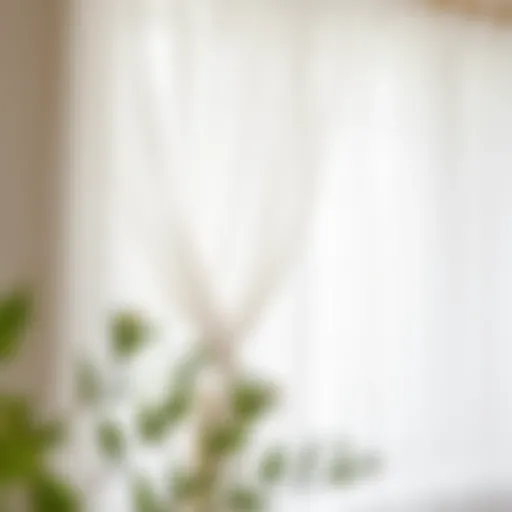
[(377, 138)]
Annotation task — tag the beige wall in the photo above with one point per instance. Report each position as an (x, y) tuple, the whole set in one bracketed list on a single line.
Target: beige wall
[(32, 34)]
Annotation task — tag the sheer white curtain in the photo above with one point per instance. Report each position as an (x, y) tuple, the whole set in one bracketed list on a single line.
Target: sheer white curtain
[(378, 138)]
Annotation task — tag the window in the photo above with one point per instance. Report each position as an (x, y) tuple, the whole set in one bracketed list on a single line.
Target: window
[(388, 324)]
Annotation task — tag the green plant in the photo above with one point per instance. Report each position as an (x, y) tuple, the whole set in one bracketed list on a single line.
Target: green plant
[(26, 442), (222, 436), (221, 431)]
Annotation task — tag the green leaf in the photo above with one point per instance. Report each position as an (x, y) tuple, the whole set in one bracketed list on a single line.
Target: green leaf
[(111, 441), (223, 440), (251, 399), (129, 334), (51, 435), (342, 470), (144, 497), (273, 466), (152, 424), (15, 414), (244, 499), (307, 463), (19, 461), (15, 313), (20, 450), (178, 405), (24, 440), (88, 384), (190, 485), (50, 494)]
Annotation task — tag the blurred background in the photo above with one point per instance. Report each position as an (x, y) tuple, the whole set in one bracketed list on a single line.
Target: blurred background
[(324, 183)]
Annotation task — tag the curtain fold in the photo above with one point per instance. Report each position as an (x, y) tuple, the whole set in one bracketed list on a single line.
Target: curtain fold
[(327, 186)]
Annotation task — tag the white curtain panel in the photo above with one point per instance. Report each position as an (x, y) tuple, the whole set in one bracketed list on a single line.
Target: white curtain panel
[(329, 187)]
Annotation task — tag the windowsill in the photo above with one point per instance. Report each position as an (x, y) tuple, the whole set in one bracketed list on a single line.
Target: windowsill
[(454, 489)]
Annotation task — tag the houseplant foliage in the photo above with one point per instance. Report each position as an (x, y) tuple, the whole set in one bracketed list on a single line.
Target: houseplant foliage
[(208, 480), (27, 478)]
